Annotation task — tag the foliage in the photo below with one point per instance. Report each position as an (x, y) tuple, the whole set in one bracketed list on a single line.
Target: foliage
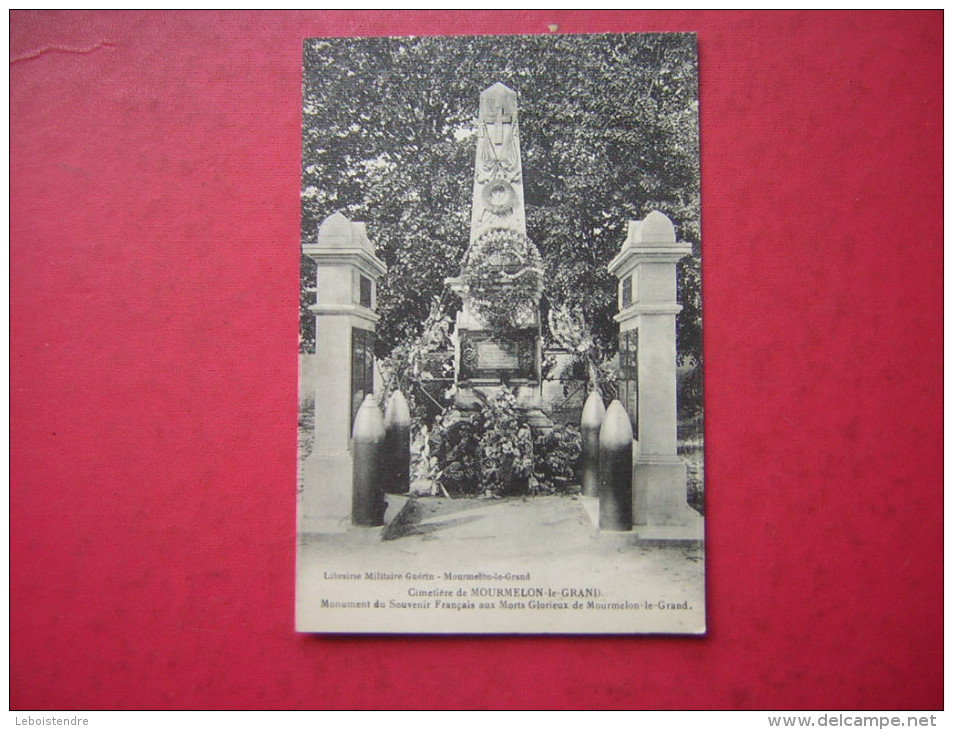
[(589, 362), (503, 274), (693, 452), (455, 452), (306, 297), (557, 458), (608, 130), (569, 329), (690, 394), (608, 381), (489, 451), (414, 363), (506, 447)]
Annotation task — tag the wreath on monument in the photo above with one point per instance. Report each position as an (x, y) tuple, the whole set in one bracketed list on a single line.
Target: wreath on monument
[(499, 197), (503, 274)]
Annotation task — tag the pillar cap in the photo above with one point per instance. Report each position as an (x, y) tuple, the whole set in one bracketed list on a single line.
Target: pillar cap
[(338, 231), (341, 240), (656, 227), (650, 239)]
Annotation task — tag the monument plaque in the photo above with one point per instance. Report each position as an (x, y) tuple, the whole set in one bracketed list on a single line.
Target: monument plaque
[(497, 355), (486, 356)]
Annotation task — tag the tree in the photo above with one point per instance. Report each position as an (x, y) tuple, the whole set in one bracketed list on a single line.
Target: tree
[(608, 130)]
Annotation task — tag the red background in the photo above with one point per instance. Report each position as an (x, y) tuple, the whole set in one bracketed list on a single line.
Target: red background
[(154, 277)]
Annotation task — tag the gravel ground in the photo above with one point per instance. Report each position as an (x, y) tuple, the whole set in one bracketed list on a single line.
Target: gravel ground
[(546, 544)]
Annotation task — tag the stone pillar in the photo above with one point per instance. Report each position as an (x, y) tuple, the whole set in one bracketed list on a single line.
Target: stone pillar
[(647, 308), (345, 322)]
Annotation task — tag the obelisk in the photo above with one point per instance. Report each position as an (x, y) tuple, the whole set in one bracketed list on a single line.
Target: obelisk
[(498, 174), (495, 346)]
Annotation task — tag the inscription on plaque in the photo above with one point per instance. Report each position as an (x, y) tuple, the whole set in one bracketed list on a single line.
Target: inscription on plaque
[(485, 357), (497, 355)]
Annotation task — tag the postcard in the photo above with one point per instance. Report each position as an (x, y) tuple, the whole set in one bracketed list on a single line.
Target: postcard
[(500, 352)]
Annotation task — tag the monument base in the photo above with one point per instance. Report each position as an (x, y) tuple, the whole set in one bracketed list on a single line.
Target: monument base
[(326, 497), (466, 398), (659, 491), (690, 533), (528, 400)]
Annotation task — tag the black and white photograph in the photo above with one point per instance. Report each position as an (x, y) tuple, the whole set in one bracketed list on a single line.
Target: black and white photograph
[(500, 406)]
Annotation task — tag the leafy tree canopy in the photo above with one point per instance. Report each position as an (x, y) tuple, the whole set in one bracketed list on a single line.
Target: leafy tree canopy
[(608, 130)]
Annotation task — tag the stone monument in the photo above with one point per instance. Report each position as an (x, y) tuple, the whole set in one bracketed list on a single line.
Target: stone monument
[(647, 385), (497, 334), (345, 322)]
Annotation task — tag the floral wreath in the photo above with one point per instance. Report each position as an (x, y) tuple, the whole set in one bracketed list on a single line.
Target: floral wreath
[(493, 191), (503, 273)]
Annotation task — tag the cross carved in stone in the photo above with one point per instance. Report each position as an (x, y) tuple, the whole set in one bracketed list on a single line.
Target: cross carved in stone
[(495, 121)]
